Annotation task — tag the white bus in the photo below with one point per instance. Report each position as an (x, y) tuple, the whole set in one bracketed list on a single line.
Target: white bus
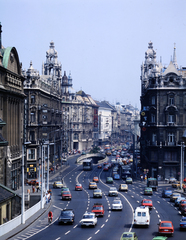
[(87, 164)]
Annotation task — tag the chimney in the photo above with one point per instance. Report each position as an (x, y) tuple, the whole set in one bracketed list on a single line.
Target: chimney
[(0, 35)]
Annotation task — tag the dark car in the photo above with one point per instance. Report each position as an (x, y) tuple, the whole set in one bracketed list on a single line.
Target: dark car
[(183, 210), (183, 223), (109, 180), (116, 176), (166, 193), (66, 216)]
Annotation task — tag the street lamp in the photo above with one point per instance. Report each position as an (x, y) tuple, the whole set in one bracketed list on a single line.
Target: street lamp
[(23, 185)]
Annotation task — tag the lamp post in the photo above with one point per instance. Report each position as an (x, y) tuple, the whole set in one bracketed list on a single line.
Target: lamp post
[(23, 185)]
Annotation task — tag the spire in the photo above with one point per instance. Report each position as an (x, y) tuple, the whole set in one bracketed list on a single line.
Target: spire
[(174, 57)]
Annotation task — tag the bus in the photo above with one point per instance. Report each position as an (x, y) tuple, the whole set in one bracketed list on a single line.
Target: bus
[(125, 172), (88, 164), (153, 183)]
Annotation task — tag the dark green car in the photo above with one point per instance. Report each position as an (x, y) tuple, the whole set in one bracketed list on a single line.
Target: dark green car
[(148, 191), (109, 180)]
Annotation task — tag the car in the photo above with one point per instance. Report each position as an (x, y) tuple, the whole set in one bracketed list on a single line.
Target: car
[(183, 223), (147, 203), (99, 166), (123, 187), (176, 184), (116, 176), (183, 210), (128, 180), (172, 179), (89, 219), (64, 189), (166, 227), (117, 204), (57, 184), (66, 195), (78, 187), (92, 185), (129, 236), (105, 168), (166, 193), (98, 209), (113, 191), (182, 203), (109, 180), (95, 179), (177, 201), (83, 153), (148, 191), (66, 216), (141, 216), (97, 193), (160, 238), (174, 196)]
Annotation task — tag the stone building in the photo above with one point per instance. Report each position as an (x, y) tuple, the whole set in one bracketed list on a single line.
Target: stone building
[(163, 118), (11, 116), (43, 110)]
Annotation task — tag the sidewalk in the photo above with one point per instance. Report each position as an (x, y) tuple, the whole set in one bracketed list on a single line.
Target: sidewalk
[(28, 222)]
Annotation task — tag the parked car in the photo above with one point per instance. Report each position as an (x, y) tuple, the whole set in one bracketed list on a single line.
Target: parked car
[(166, 227), (66, 216)]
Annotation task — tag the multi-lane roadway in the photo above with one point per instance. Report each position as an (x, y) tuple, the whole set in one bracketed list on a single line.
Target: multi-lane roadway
[(114, 223)]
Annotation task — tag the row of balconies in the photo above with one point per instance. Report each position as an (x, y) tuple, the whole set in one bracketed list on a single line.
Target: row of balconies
[(163, 143)]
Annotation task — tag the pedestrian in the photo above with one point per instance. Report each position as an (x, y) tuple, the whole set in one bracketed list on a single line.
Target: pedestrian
[(37, 188), (33, 188)]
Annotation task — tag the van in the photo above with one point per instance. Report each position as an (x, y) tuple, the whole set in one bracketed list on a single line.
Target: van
[(142, 216)]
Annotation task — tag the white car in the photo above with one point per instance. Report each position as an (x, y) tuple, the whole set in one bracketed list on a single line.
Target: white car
[(97, 193), (117, 204), (113, 191), (89, 219)]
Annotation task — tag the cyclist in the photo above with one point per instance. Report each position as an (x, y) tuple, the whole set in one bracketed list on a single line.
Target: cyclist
[(50, 216)]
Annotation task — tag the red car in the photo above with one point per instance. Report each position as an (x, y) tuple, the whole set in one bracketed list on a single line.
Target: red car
[(147, 203), (99, 166), (66, 195), (182, 203), (166, 227), (105, 168), (98, 209), (78, 187)]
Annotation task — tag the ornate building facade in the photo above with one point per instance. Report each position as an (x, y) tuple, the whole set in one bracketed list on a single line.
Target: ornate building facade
[(163, 116), (11, 116)]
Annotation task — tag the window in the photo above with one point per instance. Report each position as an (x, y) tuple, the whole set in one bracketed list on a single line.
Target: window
[(171, 118), (153, 100), (154, 137), (75, 136), (31, 154), (171, 100), (32, 98), (152, 118), (32, 116), (171, 138), (32, 136)]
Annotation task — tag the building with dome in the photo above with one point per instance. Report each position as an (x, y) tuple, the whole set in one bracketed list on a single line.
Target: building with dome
[(163, 115), (11, 117)]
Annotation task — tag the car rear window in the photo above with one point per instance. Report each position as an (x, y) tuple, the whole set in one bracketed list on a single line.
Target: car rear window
[(127, 235), (166, 225)]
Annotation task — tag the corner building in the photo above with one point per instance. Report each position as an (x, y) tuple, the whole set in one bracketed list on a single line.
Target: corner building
[(163, 115)]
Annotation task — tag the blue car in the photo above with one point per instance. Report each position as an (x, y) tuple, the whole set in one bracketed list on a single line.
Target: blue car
[(116, 176), (183, 223), (166, 193)]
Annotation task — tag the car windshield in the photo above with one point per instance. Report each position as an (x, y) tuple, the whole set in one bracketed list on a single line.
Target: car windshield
[(88, 216), (113, 189), (66, 192), (92, 183), (148, 189), (97, 191), (116, 202), (147, 201), (166, 225), (97, 208), (127, 235), (66, 213), (78, 185), (168, 191), (58, 183)]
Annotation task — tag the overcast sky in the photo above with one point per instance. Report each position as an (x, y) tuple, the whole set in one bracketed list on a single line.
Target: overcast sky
[(101, 42)]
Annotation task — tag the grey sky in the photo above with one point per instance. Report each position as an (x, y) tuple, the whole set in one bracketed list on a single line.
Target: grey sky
[(102, 42)]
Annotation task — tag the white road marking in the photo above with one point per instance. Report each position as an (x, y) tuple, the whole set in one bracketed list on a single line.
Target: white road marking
[(97, 231), (102, 225), (67, 233)]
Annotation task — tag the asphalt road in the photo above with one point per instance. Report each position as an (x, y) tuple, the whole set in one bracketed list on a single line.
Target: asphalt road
[(113, 223)]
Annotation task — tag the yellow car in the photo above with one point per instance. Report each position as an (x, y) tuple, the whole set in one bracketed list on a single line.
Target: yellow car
[(123, 187), (176, 184), (57, 184), (92, 185)]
